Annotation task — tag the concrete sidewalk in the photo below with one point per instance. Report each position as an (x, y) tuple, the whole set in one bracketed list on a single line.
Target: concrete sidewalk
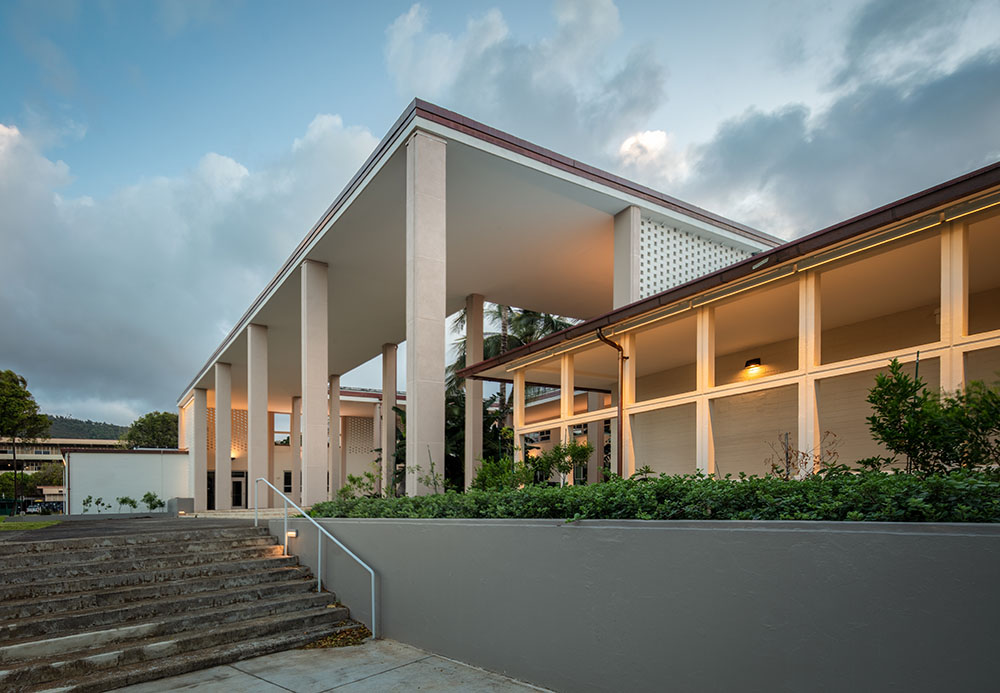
[(383, 665)]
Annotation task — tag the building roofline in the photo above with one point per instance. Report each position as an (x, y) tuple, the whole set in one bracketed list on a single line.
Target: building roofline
[(904, 208), (459, 123)]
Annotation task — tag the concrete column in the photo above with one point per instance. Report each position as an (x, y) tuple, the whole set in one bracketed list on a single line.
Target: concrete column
[(314, 382), (595, 436), (627, 256), (387, 430), (198, 449), (629, 462), (181, 428), (223, 436), (333, 447), (705, 380), (426, 271), (270, 463), (518, 414), (808, 439), (473, 388), (295, 445), (343, 451), (954, 302), (258, 421)]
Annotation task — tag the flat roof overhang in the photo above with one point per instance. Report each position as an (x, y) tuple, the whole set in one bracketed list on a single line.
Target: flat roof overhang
[(941, 203), (525, 227)]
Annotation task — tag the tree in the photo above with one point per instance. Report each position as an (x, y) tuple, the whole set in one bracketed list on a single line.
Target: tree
[(20, 421), (157, 429)]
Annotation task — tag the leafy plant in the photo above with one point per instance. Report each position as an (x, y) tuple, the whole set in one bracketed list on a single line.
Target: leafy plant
[(86, 503), (959, 496), (127, 502), (152, 501), (934, 432), (502, 473), (365, 485)]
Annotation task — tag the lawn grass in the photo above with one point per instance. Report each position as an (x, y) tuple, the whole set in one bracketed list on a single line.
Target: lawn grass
[(19, 526)]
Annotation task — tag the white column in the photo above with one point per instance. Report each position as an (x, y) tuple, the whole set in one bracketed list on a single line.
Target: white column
[(518, 414), (426, 270), (333, 447), (257, 418), (181, 429), (267, 494), (567, 390), (954, 302), (595, 436), (473, 388), (705, 380), (223, 436), (198, 449), (314, 382), (628, 398), (809, 357), (295, 444), (627, 256), (387, 437)]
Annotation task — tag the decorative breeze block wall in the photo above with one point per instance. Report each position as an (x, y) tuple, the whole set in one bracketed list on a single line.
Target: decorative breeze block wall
[(670, 257)]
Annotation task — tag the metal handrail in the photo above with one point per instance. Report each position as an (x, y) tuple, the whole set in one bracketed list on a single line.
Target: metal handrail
[(319, 543)]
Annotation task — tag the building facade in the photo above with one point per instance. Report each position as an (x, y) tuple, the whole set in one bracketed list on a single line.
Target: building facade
[(446, 214), (725, 372)]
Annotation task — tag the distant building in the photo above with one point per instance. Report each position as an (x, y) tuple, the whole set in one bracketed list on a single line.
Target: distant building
[(31, 457)]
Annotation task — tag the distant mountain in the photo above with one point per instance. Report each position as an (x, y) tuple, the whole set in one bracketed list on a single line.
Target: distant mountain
[(68, 427)]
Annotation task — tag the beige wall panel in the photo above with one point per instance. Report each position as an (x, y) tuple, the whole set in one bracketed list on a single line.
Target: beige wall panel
[(983, 364), (884, 333), (843, 409), (665, 383), (664, 439), (984, 277), (777, 357), (745, 427), (984, 310)]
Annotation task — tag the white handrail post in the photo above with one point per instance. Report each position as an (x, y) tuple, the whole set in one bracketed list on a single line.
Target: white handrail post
[(255, 487), (319, 547)]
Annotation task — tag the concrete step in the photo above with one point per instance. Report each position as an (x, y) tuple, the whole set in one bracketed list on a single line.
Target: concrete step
[(244, 514), (65, 644), (117, 596), (15, 575), (101, 668), (86, 583), (133, 551), (142, 536), (152, 670), (83, 620)]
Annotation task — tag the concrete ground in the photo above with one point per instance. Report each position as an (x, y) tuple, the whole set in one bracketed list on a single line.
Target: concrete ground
[(383, 665)]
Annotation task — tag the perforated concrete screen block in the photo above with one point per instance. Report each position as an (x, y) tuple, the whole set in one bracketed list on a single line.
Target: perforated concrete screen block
[(670, 257)]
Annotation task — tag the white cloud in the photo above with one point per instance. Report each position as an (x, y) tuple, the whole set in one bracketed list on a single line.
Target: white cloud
[(563, 91), (122, 297), (653, 151)]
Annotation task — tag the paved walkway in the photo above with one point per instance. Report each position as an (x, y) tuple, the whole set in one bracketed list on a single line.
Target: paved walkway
[(384, 665)]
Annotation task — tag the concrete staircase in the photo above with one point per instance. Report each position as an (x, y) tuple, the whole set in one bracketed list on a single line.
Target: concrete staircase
[(94, 613)]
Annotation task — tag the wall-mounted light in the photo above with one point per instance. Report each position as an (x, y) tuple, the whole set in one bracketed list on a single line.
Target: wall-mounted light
[(292, 533), (753, 367)]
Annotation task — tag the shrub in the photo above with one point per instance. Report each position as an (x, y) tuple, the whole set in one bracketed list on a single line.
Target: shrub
[(127, 502), (152, 501), (934, 432), (874, 496)]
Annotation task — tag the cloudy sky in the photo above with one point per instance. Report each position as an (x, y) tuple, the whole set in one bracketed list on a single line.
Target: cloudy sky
[(158, 161)]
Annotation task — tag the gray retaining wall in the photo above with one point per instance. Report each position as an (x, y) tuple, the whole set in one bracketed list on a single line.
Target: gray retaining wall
[(682, 606)]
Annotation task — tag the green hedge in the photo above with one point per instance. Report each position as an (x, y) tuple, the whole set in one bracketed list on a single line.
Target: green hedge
[(870, 496)]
